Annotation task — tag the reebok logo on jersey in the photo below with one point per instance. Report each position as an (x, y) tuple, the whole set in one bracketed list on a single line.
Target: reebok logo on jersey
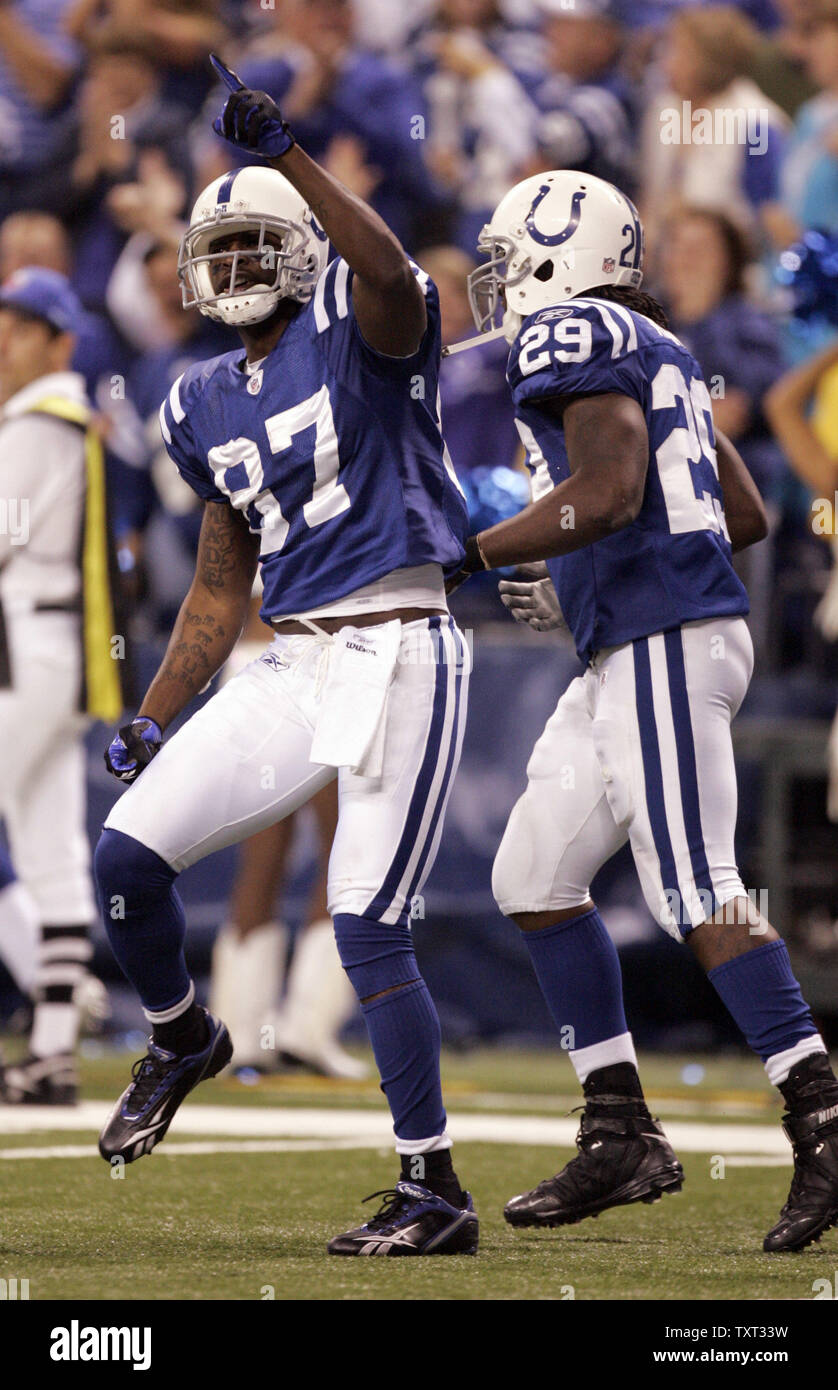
[(76, 1343), (549, 314)]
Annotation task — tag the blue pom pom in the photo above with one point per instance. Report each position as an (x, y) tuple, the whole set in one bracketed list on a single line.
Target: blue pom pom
[(493, 495), (808, 270)]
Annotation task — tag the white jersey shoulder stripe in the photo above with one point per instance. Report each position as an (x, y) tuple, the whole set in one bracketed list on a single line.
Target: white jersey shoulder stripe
[(178, 412), (619, 323), (164, 428), (610, 323), (341, 282), (321, 317), (421, 275), (622, 313), (335, 282)]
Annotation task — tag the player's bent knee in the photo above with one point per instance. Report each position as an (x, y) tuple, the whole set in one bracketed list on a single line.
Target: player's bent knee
[(508, 881), (377, 956), (518, 892), (127, 869)]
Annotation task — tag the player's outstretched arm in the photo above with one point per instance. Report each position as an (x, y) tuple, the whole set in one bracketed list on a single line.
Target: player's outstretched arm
[(608, 452), (211, 616), (745, 513), (389, 303)]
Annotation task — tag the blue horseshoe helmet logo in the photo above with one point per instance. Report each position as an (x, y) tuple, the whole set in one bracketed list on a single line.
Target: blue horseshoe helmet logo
[(558, 237)]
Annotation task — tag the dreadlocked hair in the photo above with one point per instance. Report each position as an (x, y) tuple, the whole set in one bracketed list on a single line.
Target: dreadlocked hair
[(637, 300)]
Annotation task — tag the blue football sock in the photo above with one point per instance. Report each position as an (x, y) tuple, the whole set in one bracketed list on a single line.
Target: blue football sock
[(402, 1022), (761, 993), (578, 970), (144, 919), (405, 1037)]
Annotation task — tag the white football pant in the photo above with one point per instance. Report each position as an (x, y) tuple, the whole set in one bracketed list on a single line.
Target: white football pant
[(638, 749)]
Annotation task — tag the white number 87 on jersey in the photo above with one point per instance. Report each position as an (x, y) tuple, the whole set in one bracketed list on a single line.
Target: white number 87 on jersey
[(242, 459)]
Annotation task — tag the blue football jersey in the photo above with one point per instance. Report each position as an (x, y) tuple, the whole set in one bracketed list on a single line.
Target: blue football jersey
[(672, 564), (333, 451)]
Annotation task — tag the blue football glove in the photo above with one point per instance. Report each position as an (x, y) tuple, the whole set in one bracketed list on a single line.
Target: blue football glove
[(251, 120), (133, 748)]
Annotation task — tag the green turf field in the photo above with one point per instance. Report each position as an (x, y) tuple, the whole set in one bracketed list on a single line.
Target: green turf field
[(193, 1222)]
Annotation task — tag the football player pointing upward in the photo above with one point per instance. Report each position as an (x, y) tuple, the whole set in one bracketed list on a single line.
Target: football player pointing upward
[(318, 458), (637, 512)]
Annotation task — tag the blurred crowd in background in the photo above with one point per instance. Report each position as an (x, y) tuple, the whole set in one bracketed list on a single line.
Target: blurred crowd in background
[(431, 110)]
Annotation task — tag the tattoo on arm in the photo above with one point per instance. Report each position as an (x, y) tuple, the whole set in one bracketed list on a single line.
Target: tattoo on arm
[(190, 657), (212, 615), (217, 549)]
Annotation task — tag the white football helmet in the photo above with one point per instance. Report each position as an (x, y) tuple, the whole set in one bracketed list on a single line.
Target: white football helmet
[(262, 202), (552, 237)]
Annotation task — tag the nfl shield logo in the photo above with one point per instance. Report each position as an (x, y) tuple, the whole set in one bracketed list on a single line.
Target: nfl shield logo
[(254, 385), (608, 265)]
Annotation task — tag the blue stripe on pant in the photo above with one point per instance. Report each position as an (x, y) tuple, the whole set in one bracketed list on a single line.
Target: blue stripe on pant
[(434, 751), (447, 775), (653, 775), (687, 770), (652, 771)]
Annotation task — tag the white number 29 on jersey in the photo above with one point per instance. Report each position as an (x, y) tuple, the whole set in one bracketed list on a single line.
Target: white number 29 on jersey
[(572, 342), (683, 451), (329, 497)]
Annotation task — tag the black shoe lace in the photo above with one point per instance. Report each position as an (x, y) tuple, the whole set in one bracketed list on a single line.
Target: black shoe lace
[(393, 1203), (146, 1074)]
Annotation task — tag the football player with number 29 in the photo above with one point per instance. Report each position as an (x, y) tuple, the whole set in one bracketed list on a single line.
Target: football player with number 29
[(638, 506), (317, 451)]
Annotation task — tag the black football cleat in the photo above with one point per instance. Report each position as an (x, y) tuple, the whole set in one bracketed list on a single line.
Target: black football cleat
[(621, 1159), (41, 1081), (161, 1080), (412, 1221), (812, 1205)]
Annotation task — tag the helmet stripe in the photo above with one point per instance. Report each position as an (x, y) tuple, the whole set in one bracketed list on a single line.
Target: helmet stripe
[(225, 188)]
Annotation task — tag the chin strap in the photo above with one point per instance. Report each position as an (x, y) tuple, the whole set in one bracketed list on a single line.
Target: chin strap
[(511, 324), (490, 337)]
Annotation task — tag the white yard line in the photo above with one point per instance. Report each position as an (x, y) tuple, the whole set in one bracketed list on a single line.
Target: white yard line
[(372, 1129), (200, 1147)]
